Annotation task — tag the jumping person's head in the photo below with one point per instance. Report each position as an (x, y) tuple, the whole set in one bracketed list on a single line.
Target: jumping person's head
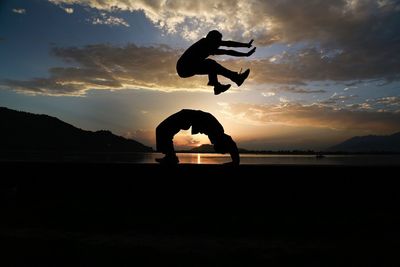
[(214, 35)]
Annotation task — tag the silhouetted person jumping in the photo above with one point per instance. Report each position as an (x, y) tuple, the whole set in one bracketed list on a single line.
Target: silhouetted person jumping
[(194, 61), (201, 122)]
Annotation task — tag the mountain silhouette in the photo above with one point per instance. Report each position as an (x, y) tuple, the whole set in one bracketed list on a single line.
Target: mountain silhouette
[(26, 131), (370, 143), (205, 148)]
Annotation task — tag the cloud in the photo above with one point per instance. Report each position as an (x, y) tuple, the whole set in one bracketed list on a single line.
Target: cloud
[(351, 39), (380, 104), (268, 21), (315, 115), (268, 94), (337, 99), (104, 66), (342, 41), (19, 10), (186, 139), (297, 90), (389, 101), (183, 140), (110, 67), (350, 88), (105, 19), (384, 104), (68, 10)]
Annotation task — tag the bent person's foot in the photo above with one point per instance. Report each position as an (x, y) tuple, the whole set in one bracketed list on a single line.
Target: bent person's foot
[(168, 160), (241, 77), (220, 88)]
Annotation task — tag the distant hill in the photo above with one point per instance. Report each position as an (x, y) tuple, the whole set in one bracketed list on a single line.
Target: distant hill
[(370, 143), (27, 131), (208, 148)]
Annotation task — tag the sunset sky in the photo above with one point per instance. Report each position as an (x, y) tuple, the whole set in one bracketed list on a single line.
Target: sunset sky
[(323, 71)]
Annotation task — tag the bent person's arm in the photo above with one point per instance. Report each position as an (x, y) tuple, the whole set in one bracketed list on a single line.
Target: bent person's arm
[(235, 157)]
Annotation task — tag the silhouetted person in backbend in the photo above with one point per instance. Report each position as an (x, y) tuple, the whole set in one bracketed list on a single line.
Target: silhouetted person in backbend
[(201, 122), (194, 61)]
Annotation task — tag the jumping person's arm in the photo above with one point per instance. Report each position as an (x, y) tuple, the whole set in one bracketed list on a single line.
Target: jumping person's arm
[(230, 53), (234, 53), (236, 44)]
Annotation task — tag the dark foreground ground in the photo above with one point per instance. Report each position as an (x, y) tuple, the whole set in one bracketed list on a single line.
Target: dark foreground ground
[(76, 214)]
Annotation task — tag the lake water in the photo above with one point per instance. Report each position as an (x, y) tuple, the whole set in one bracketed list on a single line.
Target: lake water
[(195, 158)]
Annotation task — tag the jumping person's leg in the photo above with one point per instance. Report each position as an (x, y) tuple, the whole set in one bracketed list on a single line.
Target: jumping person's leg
[(212, 68)]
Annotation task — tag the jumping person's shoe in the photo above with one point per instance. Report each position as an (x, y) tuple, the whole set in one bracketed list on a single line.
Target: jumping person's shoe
[(241, 77), (168, 160), (220, 88)]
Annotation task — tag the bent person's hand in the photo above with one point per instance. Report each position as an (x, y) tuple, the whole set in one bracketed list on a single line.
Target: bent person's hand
[(250, 43), (251, 52), (232, 163)]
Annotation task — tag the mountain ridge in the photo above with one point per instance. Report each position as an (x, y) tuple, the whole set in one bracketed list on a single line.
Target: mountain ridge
[(40, 132), (369, 143)]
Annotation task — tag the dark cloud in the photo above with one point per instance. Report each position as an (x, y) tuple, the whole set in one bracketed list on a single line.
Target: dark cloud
[(349, 40), (308, 65), (343, 23), (353, 83), (110, 67), (45, 86)]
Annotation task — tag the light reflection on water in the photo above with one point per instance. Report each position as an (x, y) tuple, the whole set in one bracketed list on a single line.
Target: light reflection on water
[(205, 158)]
